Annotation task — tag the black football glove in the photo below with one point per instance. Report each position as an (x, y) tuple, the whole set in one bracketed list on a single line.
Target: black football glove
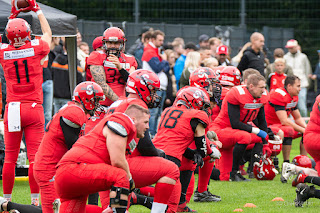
[(197, 159)]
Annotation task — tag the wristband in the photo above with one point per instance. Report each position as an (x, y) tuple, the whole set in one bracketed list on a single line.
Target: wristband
[(255, 130), (39, 12)]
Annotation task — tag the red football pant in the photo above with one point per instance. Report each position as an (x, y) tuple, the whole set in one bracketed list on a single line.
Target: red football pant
[(312, 145), (146, 171), (45, 180), (74, 182), (32, 125)]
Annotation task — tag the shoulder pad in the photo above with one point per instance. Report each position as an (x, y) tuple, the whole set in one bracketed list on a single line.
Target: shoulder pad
[(4, 46), (240, 90), (35, 42), (280, 91), (70, 123), (117, 128)]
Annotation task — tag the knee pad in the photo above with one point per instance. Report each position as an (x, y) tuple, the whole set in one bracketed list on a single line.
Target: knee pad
[(287, 141), (117, 200)]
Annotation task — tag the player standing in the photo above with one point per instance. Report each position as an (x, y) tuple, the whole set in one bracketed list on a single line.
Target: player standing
[(22, 61)]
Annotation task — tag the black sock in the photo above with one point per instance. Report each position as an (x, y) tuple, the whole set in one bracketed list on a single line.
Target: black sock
[(185, 177), (238, 152), (24, 208), (286, 161), (317, 193), (313, 180), (215, 174), (121, 209), (256, 150), (144, 201), (93, 199)]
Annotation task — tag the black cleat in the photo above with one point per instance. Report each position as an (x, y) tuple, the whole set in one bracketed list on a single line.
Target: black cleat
[(304, 192), (237, 177)]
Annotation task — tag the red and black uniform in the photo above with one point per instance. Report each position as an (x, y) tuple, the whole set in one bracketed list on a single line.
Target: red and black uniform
[(281, 100), (24, 112), (145, 167), (86, 168), (113, 77), (231, 125), (276, 80), (312, 136), (52, 148)]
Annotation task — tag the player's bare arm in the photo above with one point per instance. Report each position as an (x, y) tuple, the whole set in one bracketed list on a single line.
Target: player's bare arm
[(283, 117), (116, 145), (298, 119), (99, 77)]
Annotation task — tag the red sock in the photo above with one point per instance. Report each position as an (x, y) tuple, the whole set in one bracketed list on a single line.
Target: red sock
[(190, 188), (93, 209), (162, 192), (147, 191), (34, 188), (8, 177), (204, 176), (174, 198)]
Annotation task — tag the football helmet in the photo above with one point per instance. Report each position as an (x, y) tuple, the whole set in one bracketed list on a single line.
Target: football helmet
[(145, 83), (114, 34), (193, 98), (230, 76), (218, 69), (275, 145), (264, 169), (302, 160), (206, 78), (18, 32), (88, 94)]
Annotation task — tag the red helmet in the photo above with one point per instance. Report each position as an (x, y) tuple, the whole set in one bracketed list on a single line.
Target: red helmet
[(264, 170), (302, 160), (218, 69), (88, 94), (275, 146), (18, 32), (193, 98), (114, 34), (230, 76), (145, 83), (204, 77)]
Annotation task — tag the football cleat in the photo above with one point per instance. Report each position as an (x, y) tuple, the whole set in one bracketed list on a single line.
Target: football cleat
[(205, 196), (184, 208), (56, 205), (288, 170), (299, 178), (2, 201), (304, 192), (237, 177)]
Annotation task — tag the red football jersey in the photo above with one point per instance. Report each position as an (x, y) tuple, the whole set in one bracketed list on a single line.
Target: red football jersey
[(279, 97), (53, 146), (314, 121), (249, 106), (175, 133), (224, 92), (276, 80), (92, 147), (113, 77), (23, 71)]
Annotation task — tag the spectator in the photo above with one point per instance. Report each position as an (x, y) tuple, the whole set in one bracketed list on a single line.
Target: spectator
[(97, 45), (61, 85), (301, 67), (204, 53), (210, 62), (214, 43), (178, 46), (316, 75), (222, 55), (235, 60), (253, 57), (179, 65), (172, 88), (84, 47), (81, 55), (139, 42), (154, 61), (278, 53), (193, 61), (139, 51), (276, 79), (203, 41)]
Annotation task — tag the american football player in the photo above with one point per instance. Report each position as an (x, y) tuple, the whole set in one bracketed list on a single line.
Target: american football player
[(22, 61)]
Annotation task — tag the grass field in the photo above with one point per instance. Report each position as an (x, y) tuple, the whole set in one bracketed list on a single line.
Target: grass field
[(233, 195)]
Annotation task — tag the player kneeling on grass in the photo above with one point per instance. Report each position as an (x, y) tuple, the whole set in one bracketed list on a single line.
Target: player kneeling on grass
[(97, 161)]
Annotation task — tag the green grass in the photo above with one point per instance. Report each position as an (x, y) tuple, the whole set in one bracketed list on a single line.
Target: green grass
[(233, 195)]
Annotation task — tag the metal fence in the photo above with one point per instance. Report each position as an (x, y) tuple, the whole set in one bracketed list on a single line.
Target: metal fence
[(233, 36)]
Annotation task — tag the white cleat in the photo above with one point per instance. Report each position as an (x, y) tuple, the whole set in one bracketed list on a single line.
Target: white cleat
[(288, 170), (56, 205)]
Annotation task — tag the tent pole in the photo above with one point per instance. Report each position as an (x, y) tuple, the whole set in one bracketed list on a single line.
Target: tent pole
[(72, 61)]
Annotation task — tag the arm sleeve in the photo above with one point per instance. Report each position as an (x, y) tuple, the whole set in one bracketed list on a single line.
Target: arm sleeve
[(158, 66), (234, 117), (70, 131), (277, 107), (189, 153), (146, 147), (261, 118)]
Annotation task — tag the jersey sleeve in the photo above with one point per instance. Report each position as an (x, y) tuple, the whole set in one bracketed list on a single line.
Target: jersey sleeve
[(95, 59), (75, 114), (278, 97), (202, 117), (42, 47), (123, 121), (233, 97)]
